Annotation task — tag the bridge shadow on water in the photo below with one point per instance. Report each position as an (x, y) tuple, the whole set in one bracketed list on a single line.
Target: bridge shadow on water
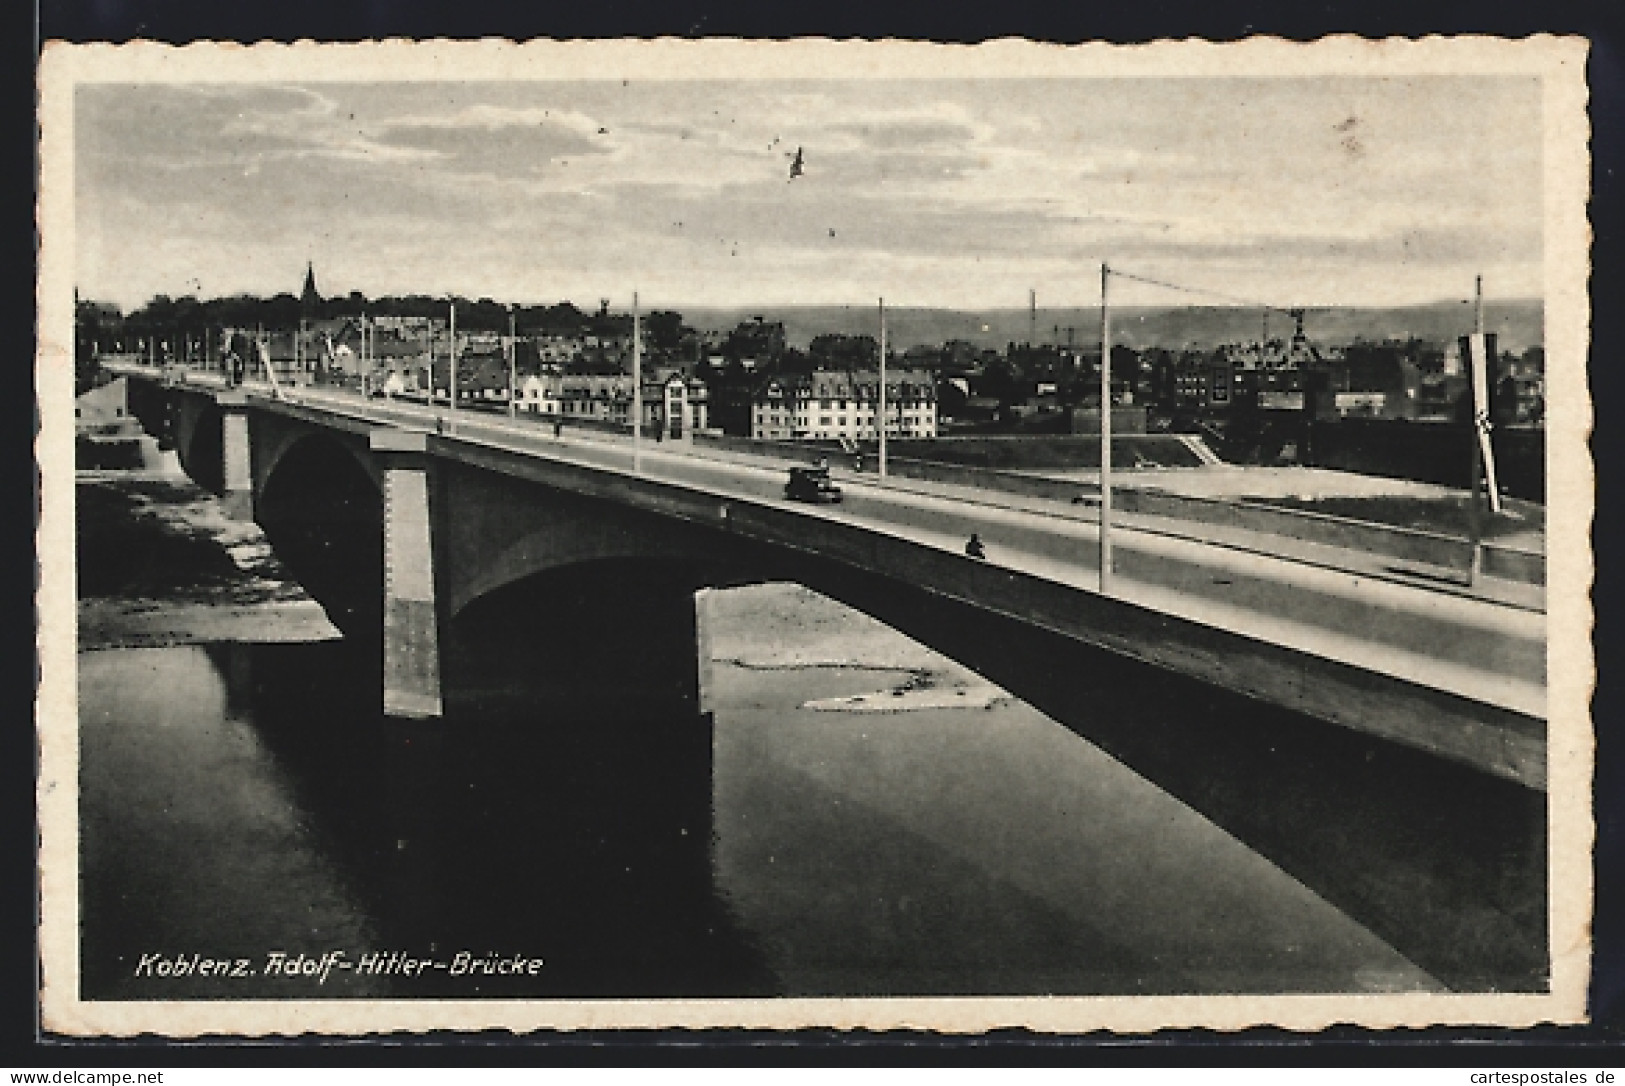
[(512, 825), (1445, 863)]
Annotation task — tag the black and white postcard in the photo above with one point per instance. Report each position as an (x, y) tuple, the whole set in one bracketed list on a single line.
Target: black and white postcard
[(663, 534)]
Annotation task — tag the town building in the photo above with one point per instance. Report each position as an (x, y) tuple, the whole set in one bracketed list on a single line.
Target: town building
[(541, 394), (482, 376), (409, 327), (399, 358), (675, 405), (558, 349), (1521, 393), (755, 342), (837, 404)]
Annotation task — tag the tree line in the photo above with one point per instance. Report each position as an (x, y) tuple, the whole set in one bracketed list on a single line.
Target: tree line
[(189, 315)]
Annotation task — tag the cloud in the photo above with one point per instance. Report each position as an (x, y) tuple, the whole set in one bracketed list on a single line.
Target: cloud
[(961, 187), (907, 133), (507, 149)]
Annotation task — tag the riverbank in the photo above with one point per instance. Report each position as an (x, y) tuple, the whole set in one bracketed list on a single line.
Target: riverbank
[(159, 563), (788, 628)]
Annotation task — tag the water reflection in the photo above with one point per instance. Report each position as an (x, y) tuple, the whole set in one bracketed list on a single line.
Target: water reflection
[(243, 798), (193, 836), (951, 851)]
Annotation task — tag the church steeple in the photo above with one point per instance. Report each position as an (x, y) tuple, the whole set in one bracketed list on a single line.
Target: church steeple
[(308, 297)]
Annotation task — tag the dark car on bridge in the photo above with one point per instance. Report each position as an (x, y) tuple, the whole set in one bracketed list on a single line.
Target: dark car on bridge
[(812, 485)]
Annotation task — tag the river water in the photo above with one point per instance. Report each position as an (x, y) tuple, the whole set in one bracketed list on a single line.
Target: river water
[(863, 818)]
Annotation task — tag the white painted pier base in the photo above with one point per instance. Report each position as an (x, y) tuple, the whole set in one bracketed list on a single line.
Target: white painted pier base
[(411, 635), (237, 467)]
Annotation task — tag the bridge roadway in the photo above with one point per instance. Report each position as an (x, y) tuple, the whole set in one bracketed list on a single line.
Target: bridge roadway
[(1491, 652)]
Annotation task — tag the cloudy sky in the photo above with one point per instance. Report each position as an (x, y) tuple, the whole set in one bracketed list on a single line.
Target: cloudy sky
[(960, 194)]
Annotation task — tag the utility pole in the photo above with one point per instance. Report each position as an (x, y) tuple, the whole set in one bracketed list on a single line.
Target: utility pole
[(428, 350), (452, 426), (1479, 363), (1491, 486), (637, 387), (881, 416), (513, 365), (1032, 317), (1474, 529), (1105, 435)]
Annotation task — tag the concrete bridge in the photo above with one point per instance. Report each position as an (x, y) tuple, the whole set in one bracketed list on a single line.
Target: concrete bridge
[(500, 550)]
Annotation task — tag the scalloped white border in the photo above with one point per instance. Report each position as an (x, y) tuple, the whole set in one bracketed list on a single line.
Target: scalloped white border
[(1559, 62)]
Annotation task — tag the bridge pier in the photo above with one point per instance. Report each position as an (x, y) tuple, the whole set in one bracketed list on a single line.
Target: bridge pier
[(236, 467), (705, 692), (411, 628)]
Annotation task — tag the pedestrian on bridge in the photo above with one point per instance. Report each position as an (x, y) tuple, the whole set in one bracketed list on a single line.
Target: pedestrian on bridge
[(974, 547)]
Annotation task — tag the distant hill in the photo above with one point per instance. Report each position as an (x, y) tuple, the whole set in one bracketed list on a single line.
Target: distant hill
[(1519, 324)]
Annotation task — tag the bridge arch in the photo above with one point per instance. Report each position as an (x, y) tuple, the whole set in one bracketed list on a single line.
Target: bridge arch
[(322, 511), (199, 446), (275, 437), (493, 531), (567, 545)]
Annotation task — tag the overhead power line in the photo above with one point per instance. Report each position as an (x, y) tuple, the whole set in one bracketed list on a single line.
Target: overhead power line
[(1202, 292)]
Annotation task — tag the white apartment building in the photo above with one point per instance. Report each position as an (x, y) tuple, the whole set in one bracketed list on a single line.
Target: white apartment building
[(836, 404), (542, 394)]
